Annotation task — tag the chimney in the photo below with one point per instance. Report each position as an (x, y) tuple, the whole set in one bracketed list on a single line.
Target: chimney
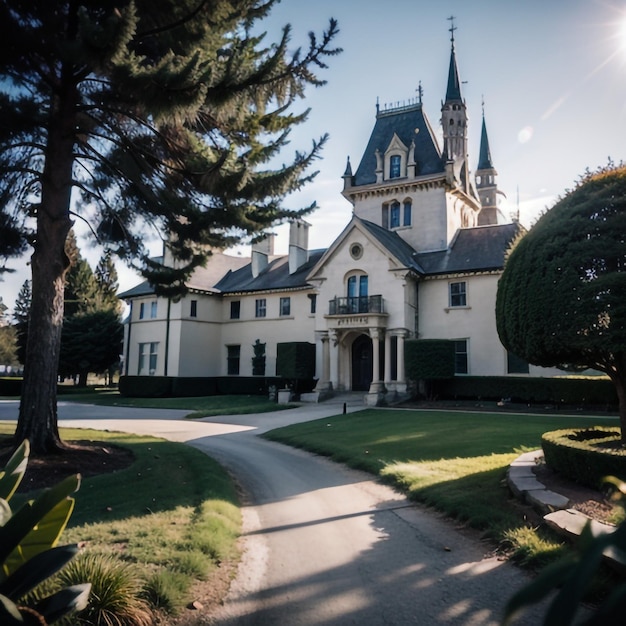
[(261, 251), (298, 244)]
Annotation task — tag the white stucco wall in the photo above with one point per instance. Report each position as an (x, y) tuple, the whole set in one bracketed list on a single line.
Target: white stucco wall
[(475, 322), (271, 330)]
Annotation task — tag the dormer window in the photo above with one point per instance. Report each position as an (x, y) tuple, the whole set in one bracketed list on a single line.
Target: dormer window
[(395, 165), (395, 159)]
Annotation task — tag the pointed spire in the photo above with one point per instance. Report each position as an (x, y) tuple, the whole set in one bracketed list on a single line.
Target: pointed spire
[(348, 171), (453, 92), (484, 157)]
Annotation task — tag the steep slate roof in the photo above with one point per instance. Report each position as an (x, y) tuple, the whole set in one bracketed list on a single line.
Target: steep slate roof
[(453, 91), (404, 252), (275, 276), (403, 122), (474, 249), (484, 157), (202, 279)]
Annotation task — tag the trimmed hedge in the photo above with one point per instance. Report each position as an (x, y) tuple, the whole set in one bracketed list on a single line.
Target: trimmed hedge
[(10, 386), (585, 456), (577, 391), (190, 386), (145, 386), (429, 359), (295, 360)]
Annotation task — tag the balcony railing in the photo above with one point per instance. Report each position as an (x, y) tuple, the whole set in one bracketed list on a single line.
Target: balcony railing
[(349, 306)]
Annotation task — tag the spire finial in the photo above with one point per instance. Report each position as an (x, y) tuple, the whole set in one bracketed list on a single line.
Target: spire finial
[(482, 104), (420, 91), (452, 28)]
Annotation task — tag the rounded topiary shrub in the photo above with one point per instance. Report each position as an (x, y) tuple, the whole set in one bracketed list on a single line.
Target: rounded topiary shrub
[(585, 455)]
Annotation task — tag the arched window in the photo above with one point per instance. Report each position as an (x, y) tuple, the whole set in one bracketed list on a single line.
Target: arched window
[(394, 215), (395, 162), (357, 291), (407, 209)]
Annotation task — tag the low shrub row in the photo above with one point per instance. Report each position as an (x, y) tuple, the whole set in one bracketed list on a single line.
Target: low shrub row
[(567, 390), (585, 456), (10, 386), (179, 387)]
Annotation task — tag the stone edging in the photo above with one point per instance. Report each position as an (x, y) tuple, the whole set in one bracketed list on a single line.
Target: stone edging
[(554, 507)]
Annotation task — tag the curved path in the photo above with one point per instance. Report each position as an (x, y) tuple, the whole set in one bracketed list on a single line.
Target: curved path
[(326, 545)]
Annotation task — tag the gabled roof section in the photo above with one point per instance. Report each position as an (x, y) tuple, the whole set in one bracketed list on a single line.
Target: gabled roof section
[(142, 289), (275, 276), (410, 124), (202, 279), (474, 249), (392, 242), (484, 158)]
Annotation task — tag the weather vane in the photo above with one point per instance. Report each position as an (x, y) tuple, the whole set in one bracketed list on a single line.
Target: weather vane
[(420, 91)]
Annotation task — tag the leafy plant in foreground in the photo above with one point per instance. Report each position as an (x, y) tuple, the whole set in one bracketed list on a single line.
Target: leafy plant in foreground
[(28, 547)]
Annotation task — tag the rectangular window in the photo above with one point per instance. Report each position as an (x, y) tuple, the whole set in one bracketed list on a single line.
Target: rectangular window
[(458, 294), (260, 308), (234, 353), (313, 301), (515, 364), (285, 306), (193, 311), (148, 353), (235, 309), (407, 214), (153, 310), (142, 310), (460, 357)]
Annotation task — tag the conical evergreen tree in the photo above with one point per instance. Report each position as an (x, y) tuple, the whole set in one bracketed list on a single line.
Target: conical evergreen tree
[(21, 316), (168, 115), (106, 279)]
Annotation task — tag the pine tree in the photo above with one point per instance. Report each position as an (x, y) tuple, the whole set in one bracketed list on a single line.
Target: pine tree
[(166, 115), (106, 279), (21, 316)]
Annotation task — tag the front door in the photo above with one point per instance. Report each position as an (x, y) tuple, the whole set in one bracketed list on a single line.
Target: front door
[(362, 363)]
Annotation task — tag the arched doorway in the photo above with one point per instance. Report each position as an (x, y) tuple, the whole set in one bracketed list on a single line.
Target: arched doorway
[(361, 363)]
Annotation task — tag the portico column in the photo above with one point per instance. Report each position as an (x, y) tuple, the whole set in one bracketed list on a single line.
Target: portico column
[(401, 380), (323, 382), (400, 351), (374, 334), (387, 358), (334, 359)]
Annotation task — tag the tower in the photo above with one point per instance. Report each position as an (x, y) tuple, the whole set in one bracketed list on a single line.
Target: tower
[(454, 125), (486, 182)]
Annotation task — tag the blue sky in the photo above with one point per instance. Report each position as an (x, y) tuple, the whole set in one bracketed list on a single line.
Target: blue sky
[(551, 73)]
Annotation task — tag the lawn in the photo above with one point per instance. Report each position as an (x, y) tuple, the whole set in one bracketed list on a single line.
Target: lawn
[(201, 406), (173, 514), (454, 461)]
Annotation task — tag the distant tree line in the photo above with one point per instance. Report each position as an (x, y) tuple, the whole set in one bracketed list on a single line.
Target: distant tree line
[(91, 339)]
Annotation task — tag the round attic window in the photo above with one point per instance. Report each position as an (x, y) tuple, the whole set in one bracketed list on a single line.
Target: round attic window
[(356, 250)]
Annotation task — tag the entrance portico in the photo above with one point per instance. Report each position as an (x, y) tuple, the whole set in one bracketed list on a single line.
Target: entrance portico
[(358, 353)]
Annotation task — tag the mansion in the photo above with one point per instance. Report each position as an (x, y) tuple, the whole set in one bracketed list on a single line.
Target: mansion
[(420, 258)]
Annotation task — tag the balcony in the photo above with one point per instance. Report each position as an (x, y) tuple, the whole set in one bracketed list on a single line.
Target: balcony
[(347, 306), (357, 312)]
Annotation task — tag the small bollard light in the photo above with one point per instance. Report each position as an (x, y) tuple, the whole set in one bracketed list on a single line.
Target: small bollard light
[(344, 408)]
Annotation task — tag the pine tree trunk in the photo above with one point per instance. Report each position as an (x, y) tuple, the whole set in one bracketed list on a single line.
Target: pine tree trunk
[(38, 408)]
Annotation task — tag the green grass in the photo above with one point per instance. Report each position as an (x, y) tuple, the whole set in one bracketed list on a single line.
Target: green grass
[(451, 460), (172, 500), (203, 406)]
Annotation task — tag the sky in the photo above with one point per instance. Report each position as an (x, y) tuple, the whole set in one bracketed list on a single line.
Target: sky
[(551, 75)]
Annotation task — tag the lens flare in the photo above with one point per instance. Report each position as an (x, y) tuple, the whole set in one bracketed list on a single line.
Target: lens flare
[(525, 135)]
